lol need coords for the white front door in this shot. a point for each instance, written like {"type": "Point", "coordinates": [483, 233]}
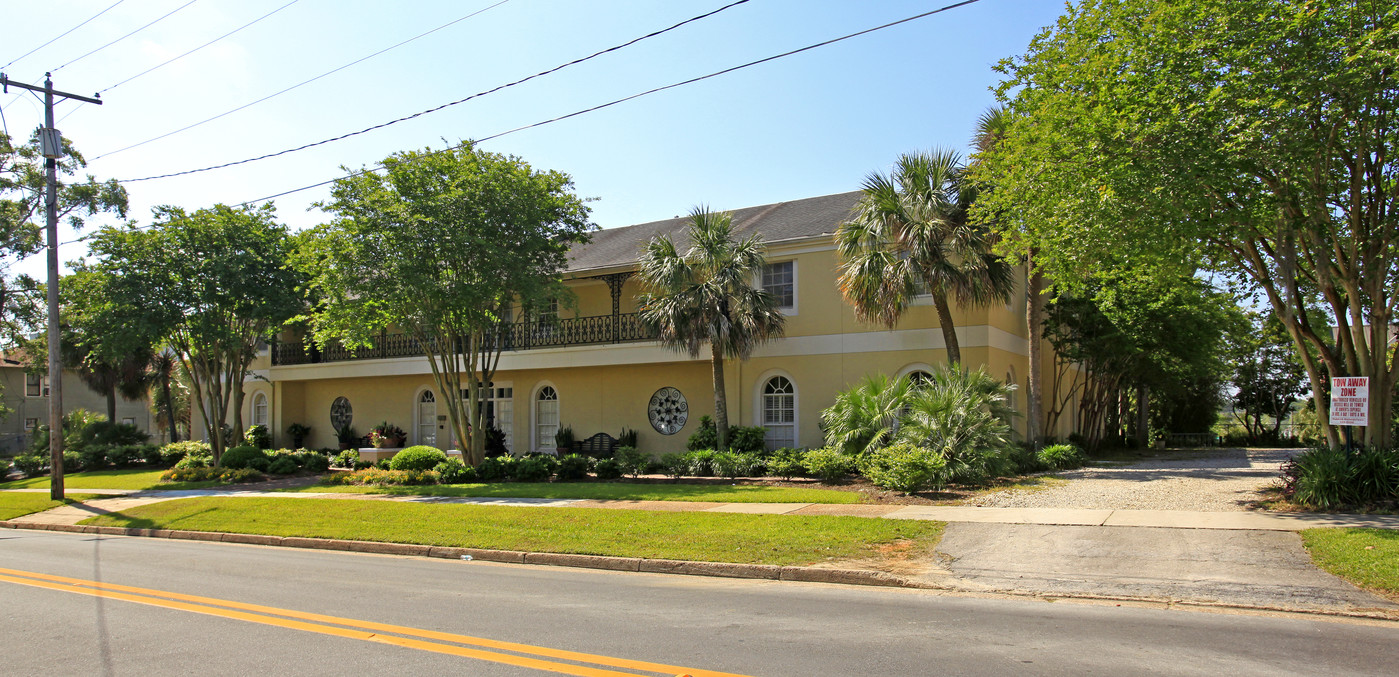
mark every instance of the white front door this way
{"type": "Point", "coordinates": [427, 418]}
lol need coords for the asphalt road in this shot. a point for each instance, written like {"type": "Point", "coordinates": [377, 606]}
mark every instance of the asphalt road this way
{"type": "Point", "coordinates": [50, 622]}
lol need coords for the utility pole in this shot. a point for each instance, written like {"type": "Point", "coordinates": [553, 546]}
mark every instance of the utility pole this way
{"type": "Point", "coordinates": [51, 145]}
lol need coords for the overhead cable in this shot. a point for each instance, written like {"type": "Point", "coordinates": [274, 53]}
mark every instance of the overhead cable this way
{"type": "Point", "coordinates": [138, 30]}
{"type": "Point", "coordinates": [438, 108]}
{"type": "Point", "coordinates": [299, 84]}
{"type": "Point", "coordinates": [70, 30]}
{"type": "Point", "coordinates": [614, 102]}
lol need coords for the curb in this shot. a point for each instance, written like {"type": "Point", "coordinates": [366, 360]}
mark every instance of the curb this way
{"type": "Point", "coordinates": [607, 563]}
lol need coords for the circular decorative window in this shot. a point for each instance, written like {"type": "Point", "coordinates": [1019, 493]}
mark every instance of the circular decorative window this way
{"type": "Point", "coordinates": [668, 411]}
{"type": "Point", "coordinates": [340, 413]}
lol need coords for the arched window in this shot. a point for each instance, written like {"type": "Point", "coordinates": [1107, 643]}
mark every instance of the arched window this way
{"type": "Point", "coordinates": [260, 409]}
{"type": "Point", "coordinates": [546, 418]}
{"type": "Point", "coordinates": [918, 377]}
{"type": "Point", "coordinates": [427, 418]}
{"type": "Point", "coordinates": [780, 412]}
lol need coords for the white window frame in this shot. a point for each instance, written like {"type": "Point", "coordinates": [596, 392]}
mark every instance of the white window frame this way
{"type": "Point", "coordinates": [30, 424]}
{"type": "Point", "coordinates": [260, 400]}
{"type": "Point", "coordinates": [760, 405]}
{"type": "Point", "coordinates": [547, 446]}
{"type": "Point", "coordinates": [762, 274]}
{"type": "Point", "coordinates": [418, 403]}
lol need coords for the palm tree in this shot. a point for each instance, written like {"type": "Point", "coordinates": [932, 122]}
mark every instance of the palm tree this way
{"type": "Point", "coordinates": [866, 417]}
{"type": "Point", "coordinates": [707, 294]}
{"type": "Point", "coordinates": [909, 236]}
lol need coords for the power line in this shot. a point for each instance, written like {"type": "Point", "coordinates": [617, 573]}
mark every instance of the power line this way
{"type": "Point", "coordinates": [614, 102]}
{"type": "Point", "coordinates": [168, 61]}
{"type": "Point", "coordinates": [70, 30]}
{"type": "Point", "coordinates": [305, 82]}
{"type": "Point", "coordinates": [445, 105]}
{"type": "Point", "coordinates": [138, 30]}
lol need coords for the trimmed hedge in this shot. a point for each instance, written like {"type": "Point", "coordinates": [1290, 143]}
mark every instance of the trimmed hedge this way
{"type": "Point", "coordinates": [421, 457]}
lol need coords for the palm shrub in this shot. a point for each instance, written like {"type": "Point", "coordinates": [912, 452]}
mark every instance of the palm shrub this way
{"type": "Point", "coordinates": [865, 417]}
{"type": "Point", "coordinates": [1328, 479]}
{"type": "Point", "coordinates": [1062, 457]}
{"type": "Point", "coordinates": [904, 467]}
{"type": "Point", "coordinates": [964, 417]}
{"type": "Point", "coordinates": [827, 464]}
{"type": "Point", "coordinates": [701, 462]}
{"type": "Point", "coordinates": [420, 457]}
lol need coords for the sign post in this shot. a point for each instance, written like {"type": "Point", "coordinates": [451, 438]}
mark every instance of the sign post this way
{"type": "Point", "coordinates": [1350, 402]}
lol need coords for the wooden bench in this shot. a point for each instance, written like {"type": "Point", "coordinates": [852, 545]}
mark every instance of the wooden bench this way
{"type": "Point", "coordinates": [600, 445]}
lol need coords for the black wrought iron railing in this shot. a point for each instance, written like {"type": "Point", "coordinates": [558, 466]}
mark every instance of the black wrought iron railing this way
{"type": "Point", "coordinates": [557, 333]}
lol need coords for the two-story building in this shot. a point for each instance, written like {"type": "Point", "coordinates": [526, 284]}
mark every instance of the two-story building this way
{"type": "Point", "coordinates": [595, 367]}
{"type": "Point", "coordinates": [26, 397]}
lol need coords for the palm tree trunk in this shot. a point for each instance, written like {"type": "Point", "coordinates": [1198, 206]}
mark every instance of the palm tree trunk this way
{"type": "Point", "coordinates": [949, 332]}
{"type": "Point", "coordinates": [721, 400]}
{"type": "Point", "coordinates": [112, 403]}
{"type": "Point", "coordinates": [1034, 317]}
{"type": "Point", "coordinates": [169, 407]}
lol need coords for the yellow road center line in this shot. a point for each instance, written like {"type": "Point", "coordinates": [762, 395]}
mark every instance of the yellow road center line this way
{"type": "Point", "coordinates": [357, 629]}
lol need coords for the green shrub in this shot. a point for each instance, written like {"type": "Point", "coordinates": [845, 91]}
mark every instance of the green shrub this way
{"type": "Point", "coordinates": [92, 456]}
{"type": "Point", "coordinates": [1328, 479]}
{"type": "Point", "coordinates": [573, 467]}
{"type": "Point", "coordinates": [700, 462]}
{"type": "Point", "coordinates": [674, 465]}
{"type": "Point", "coordinates": [421, 457]}
{"type": "Point", "coordinates": [827, 464]}
{"type": "Point", "coordinates": [535, 468]}
{"type": "Point", "coordinates": [283, 465]}
{"type": "Point", "coordinates": [453, 471]}
{"type": "Point", "coordinates": [864, 417]}
{"type": "Point", "coordinates": [733, 464]}
{"type": "Point", "coordinates": [348, 458]}
{"type": "Point", "coordinates": [496, 468]}
{"type": "Point", "coordinates": [194, 462]}
{"type": "Point", "coordinates": [741, 438]}
{"type": "Point", "coordinates": [258, 436]}
{"type": "Point", "coordinates": [1062, 457]}
{"type": "Point", "coordinates": [107, 433]}
{"type": "Point", "coordinates": [32, 465]}
{"type": "Point", "coordinates": [214, 474]}
{"type": "Point", "coordinates": [313, 461]}
{"type": "Point", "coordinates": [1023, 459]}
{"type": "Point", "coordinates": [245, 457]}
{"type": "Point", "coordinates": [608, 469]}
{"type": "Point", "coordinates": [124, 455]}
{"type": "Point", "coordinates": [785, 463]}
{"type": "Point", "coordinates": [175, 452]}
{"type": "Point", "coordinates": [631, 461]}
{"type": "Point", "coordinates": [381, 477]}
{"type": "Point", "coordinates": [73, 461]}
{"type": "Point", "coordinates": [361, 464]}
{"type": "Point", "coordinates": [904, 467]}
{"type": "Point", "coordinates": [383, 464]}
{"type": "Point", "coordinates": [150, 455]}
{"type": "Point", "coordinates": [963, 417]}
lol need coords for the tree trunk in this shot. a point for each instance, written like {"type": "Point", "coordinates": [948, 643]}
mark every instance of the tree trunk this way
{"type": "Point", "coordinates": [721, 400]}
{"type": "Point", "coordinates": [949, 332]}
{"type": "Point", "coordinates": [112, 402]}
{"type": "Point", "coordinates": [1034, 311]}
{"type": "Point", "coordinates": [1143, 418]}
{"type": "Point", "coordinates": [169, 408]}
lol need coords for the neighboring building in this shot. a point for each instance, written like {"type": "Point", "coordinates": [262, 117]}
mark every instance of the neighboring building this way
{"type": "Point", "coordinates": [596, 369]}
{"type": "Point", "coordinates": [26, 395]}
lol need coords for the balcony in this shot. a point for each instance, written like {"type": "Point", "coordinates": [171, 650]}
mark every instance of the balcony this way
{"type": "Point", "coordinates": [578, 331]}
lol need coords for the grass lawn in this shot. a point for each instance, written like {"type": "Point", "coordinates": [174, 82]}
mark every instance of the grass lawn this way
{"type": "Point", "coordinates": [130, 478]}
{"type": "Point", "coordinates": [1368, 558]}
{"type": "Point", "coordinates": [15, 505]}
{"type": "Point", "coordinates": [696, 536]}
{"type": "Point", "coordinates": [717, 493]}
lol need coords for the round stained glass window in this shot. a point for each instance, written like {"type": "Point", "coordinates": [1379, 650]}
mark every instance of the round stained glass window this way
{"type": "Point", "coordinates": [668, 411]}
{"type": "Point", "coordinates": [340, 413]}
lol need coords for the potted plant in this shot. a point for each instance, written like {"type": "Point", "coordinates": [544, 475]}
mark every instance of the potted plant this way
{"type": "Point", "coordinates": [347, 437]}
{"type": "Point", "coordinates": [387, 436]}
{"type": "Point", "coordinates": [563, 440]}
{"type": "Point", "coordinates": [298, 434]}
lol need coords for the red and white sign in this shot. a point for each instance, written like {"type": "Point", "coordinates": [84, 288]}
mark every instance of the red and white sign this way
{"type": "Point", "coordinates": [1350, 400]}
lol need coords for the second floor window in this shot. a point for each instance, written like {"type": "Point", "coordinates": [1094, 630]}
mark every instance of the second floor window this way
{"type": "Point", "coordinates": [779, 279]}
{"type": "Point", "coordinates": [36, 385]}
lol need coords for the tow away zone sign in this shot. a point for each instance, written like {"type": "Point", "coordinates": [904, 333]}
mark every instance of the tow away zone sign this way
{"type": "Point", "coordinates": [1350, 400]}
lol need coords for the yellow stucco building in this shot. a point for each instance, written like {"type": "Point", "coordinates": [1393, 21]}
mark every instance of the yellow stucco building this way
{"type": "Point", "coordinates": [594, 367]}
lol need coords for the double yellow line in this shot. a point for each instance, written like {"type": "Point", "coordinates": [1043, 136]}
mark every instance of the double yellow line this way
{"type": "Point", "coordinates": [523, 655]}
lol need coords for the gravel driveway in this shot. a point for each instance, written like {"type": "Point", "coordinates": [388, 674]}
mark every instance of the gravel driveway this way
{"type": "Point", "coordinates": [1212, 481]}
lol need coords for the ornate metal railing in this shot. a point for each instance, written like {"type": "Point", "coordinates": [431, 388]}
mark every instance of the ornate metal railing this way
{"type": "Point", "coordinates": [557, 333]}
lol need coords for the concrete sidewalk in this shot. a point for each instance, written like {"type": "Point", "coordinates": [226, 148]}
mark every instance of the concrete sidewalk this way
{"type": "Point", "coordinates": [1171, 519]}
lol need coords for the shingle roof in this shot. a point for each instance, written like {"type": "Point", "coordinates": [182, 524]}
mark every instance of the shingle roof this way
{"type": "Point", "coordinates": [797, 219]}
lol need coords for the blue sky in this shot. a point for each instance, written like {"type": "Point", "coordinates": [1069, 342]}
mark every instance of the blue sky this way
{"type": "Point", "coordinates": [811, 124]}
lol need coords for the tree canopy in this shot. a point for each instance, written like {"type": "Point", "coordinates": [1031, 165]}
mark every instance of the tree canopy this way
{"type": "Point", "coordinates": [441, 246]}
{"type": "Point", "coordinates": [211, 284]}
{"type": "Point", "coordinates": [1254, 137]}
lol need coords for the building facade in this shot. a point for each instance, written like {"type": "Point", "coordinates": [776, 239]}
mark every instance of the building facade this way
{"type": "Point", "coordinates": [26, 396]}
{"type": "Point", "coordinates": [595, 368]}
